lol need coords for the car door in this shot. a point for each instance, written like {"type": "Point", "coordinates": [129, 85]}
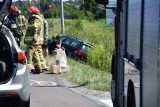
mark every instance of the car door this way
{"type": "Point", "coordinates": [70, 45]}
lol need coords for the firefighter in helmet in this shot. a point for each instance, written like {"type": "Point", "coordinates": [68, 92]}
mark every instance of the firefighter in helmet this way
{"type": "Point", "coordinates": [39, 47]}
{"type": "Point", "coordinates": [33, 39]}
{"type": "Point", "coordinates": [12, 23]}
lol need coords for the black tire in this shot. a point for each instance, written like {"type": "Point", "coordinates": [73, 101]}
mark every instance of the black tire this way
{"type": "Point", "coordinates": [131, 102]}
{"type": "Point", "coordinates": [113, 82]}
{"type": "Point", "coordinates": [23, 104]}
{"type": "Point", "coordinates": [113, 91]}
{"type": "Point", "coordinates": [26, 104]}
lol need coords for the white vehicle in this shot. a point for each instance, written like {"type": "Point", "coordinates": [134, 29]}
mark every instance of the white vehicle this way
{"type": "Point", "coordinates": [14, 74]}
{"type": "Point", "coordinates": [136, 60]}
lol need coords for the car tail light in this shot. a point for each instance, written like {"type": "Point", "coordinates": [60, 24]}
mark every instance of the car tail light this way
{"type": "Point", "coordinates": [21, 58]}
{"type": "Point", "coordinates": [79, 52]}
{"type": "Point", "coordinates": [10, 94]}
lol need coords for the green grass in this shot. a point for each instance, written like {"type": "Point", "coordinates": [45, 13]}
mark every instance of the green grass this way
{"type": "Point", "coordinates": [84, 74]}
{"type": "Point", "coordinates": [93, 32]}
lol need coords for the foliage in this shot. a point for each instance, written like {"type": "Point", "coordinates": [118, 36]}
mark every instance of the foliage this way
{"type": "Point", "coordinates": [88, 5]}
{"type": "Point", "coordinates": [88, 10]}
{"type": "Point", "coordinates": [100, 58]}
{"type": "Point", "coordinates": [76, 25]}
{"type": "Point", "coordinates": [50, 13]}
{"type": "Point", "coordinates": [42, 2]}
{"type": "Point", "coordinates": [93, 32]}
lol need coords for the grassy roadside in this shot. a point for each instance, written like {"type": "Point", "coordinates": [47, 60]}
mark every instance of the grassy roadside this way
{"type": "Point", "coordinates": [82, 73]}
{"type": "Point", "coordinates": [96, 74]}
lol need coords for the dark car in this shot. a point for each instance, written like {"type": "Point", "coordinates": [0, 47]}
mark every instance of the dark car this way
{"type": "Point", "coordinates": [73, 47]}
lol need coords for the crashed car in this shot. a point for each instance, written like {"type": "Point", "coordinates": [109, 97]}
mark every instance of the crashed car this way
{"type": "Point", "coordinates": [14, 74]}
{"type": "Point", "coordinates": [74, 47]}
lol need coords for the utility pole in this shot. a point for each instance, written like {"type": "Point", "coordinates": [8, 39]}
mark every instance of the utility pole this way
{"type": "Point", "coordinates": [39, 4]}
{"type": "Point", "coordinates": [62, 18]}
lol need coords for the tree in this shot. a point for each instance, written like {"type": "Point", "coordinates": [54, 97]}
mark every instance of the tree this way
{"type": "Point", "coordinates": [49, 1]}
{"type": "Point", "coordinates": [88, 5]}
{"type": "Point", "coordinates": [20, 2]}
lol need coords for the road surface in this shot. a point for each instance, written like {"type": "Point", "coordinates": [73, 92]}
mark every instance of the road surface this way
{"type": "Point", "coordinates": [50, 90]}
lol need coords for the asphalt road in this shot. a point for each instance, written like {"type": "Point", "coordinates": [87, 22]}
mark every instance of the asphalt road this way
{"type": "Point", "coordinates": [50, 90]}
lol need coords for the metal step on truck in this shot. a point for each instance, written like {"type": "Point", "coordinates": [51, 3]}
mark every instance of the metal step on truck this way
{"type": "Point", "coordinates": [136, 58]}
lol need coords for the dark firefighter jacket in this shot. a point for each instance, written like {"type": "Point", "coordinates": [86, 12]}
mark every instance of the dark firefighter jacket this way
{"type": "Point", "coordinates": [12, 23]}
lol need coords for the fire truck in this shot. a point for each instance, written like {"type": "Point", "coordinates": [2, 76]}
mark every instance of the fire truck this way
{"type": "Point", "coordinates": [136, 58]}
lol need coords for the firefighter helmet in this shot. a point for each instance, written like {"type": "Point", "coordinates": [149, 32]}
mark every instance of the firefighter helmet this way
{"type": "Point", "coordinates": [13, 8]}
{"type": "Point", "coordinates": [33, 10]}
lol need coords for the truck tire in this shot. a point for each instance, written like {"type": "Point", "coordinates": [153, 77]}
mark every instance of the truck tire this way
{"type": "Point", "coordinates": [131, 102]}
{"type": "Point", "coordinates": [113, 86]}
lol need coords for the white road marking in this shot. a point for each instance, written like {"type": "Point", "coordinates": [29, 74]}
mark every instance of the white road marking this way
{"type": "Point", "coordinates": [107, 102]}
{"type": "Point", "coordinates": [42, 83]}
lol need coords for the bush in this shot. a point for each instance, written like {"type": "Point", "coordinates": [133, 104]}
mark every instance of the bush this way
{"type": "Point", "coordinates": [100, 57]}
{"type": "Point", "coordinates": [49, 14]}
{"type": "Point", "coordinates": [74, 27]}
{"type": "Point", "coordinates": [78, 25]}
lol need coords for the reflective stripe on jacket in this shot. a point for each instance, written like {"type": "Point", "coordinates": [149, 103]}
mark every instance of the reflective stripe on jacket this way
{"type": "Point", "coordinates": [13, 26]}
{"type": "Point", "coordinates": [28, 39]}
{"type": "Point", "coordinates": [40, 39]}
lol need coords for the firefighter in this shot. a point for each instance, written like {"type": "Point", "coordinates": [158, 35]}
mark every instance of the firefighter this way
{"type": "Point", "coordinates": [33, 39]}
{"type": "Point", "coordinates": [21, 21]}
{"type": "Point", "coordinates": [12, 23]}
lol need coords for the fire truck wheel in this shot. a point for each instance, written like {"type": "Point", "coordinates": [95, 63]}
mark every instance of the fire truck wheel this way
{"type": "Point", "coordinates": [131, 102]}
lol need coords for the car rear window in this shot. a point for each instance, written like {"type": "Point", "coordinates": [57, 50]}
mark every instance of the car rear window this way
{"type": "Point", "coordinates": [75, 43]}
{"type": "Point", "coordinates": [68, 41]}
{"type": "Point", "coordinates": [62, 38]}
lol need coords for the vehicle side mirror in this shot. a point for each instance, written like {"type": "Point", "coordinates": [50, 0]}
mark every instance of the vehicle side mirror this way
{"type": "Point", "coordinates": [111, 13]}
{"type": "Point", "coordinates": [104, 2]}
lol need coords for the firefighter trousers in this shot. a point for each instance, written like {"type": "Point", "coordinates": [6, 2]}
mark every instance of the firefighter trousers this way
{"type": "Point", "coordinates": [32, 53]}
{"type": "Point", "coordinates": [41, 56]}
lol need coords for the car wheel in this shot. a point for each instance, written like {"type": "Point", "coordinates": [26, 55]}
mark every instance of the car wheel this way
{"type": "Point", "coordinates": [113, 82]}
{"type": "Point", "coordinates": [113, 90]}
{"type": "Point", "coordinates": [24, 104]}
{"type": "Point", "coordinates": [27, 104]}
{"type": "Point", "coordinates": [76, 58]}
